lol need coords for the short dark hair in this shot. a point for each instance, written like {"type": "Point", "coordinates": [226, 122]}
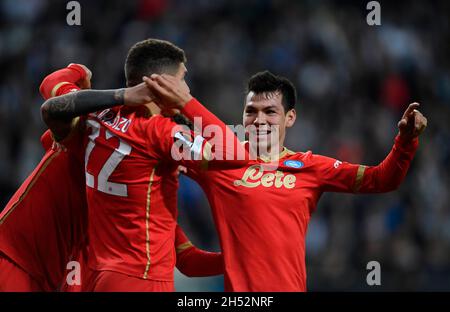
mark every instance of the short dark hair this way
{"type": "Point", "coordinates": [265, 81]}
{"type": "Point", "coordinates": [152, 56]}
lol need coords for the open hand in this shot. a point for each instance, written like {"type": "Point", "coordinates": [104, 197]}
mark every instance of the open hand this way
{"type": "Point", "coordinates": [136, 95]}
{"type": "Point", "coordinates": [170, 92]}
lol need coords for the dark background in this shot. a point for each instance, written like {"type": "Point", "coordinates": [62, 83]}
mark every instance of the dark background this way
{"type": "Point", "coordinates": [353, 80]}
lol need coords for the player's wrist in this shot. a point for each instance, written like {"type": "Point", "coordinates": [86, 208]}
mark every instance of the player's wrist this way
{"type": "Point", "coordinates": [191, 108]}
{"type": "Point", "coordinates": [184, 100]}
{"type": "Point", "coordinates": [406, 140]}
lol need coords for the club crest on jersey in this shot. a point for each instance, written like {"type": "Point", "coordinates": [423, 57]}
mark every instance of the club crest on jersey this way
{"type": "Point", "coordinates": [255, 176]}
{"type": "Point", "coordinates": [293, 163]}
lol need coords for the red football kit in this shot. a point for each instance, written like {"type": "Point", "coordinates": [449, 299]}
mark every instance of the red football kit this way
{"type": "Point", "coordinates": [43, 226]}
{"type": "Point", "coordinates": [131, 184]}
{"type": "Point", "coordinates": [191, 261]}
{"type": "Point", "coordinates": [262, 211]}
{"type": "Point", "coordinates": [195, 262]}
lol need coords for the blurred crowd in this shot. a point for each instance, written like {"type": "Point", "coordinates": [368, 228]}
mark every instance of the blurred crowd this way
{"type": "Point", "coordinates": [353, 81]}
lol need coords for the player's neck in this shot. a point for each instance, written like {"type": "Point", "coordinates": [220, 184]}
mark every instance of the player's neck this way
{"type": "Point", "coordinates": [267, 154]}
{"type": "Point", "coordinates": [153, 108]}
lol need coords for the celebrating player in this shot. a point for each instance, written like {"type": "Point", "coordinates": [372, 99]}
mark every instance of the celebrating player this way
{"type": "Point", "coordinates": [44, 225]}
{"type": "Point", "coordinates": [262, 211]}
{"type": "Point", "coordinates": [130, 165]}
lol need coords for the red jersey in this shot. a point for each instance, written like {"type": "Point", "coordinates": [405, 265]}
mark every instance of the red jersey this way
{"type": "Point", "coordinates": [132, 183]}
{"type": "Point", "coordinates": [194, 262]}
{"type": "Point", "coordinates": [43, 225]}
{"type": "Point", "coordinates": [262, 211]}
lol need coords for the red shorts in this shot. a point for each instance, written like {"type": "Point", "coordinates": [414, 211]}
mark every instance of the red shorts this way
{"type": "Point", "coordinates": [118, 282]}
{"type": "Point", "coordinates": [13, 278]}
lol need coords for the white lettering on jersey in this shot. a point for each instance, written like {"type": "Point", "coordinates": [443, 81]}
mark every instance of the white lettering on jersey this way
{"type": "Point", "coordinates": [103, 183]}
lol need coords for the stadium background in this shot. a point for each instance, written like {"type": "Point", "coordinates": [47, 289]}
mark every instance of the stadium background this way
{"type": "Point", "coordinates": [353, 82]}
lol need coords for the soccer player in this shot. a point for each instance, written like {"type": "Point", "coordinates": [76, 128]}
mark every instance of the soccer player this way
{"type": "Point", "coordinates": [262, 211]}
{"type": "Point", "coordinates": [130, 163]}
{"type": "Point", "coordinates": [44, 225]}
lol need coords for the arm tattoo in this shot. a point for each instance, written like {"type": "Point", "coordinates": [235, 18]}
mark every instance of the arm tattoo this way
{"type": "Point", "coordinates": [119, 95]}
{"type": "Point", "coordinates": [65, 107]}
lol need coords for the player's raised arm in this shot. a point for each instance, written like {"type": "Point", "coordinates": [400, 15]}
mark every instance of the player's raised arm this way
{"type": "Point", "coordinates": [227, 152]}
{"type": "Point", "coordinates": [70, 79]}
{"type": "Point", "coordinates": [58, 112]}
{"type": "Point", "coordinates": [388, 175]}
{"type": "Point", "coordinates": [194, 262]}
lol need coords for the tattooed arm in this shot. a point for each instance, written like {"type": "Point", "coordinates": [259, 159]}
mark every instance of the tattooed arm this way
{"type": "Point", "coordinates": [58, 112]}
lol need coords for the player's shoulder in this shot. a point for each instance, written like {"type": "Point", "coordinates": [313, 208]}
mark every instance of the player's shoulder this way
{"type": "Point", "coordinates": [305, 159]}
{"type": "Point", "coordinates": [300, 156]}
{"type": "Point", "coordinates": [163, 124]}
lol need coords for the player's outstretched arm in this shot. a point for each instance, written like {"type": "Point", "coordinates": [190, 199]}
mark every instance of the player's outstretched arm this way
{"type": "Point", "coordinates": [390, 173]}
{"type": "Point", "coordinates": [385, 177]}
{"type": "Point", "coordinates": [194, 262]}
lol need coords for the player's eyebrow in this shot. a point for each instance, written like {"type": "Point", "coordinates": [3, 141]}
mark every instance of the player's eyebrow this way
{"type": "Point", "coordinates": [250, 105]}
{"type": "Point", "coordinates": [271, 107]}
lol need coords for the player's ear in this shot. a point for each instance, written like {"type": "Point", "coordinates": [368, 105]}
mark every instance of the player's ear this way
{"type": "Point", "coordinates": [291, 115]}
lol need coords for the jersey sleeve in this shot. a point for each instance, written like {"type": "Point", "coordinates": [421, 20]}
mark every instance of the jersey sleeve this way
{"type": "Point", "coordinates": [62, 81]}
{"type": "Point", "coordinates": [337, 176]}
{"type": "Point", "coordinates": [334, 175]}
{"type": "Point", "coordinates": [190, 148]}
{"type": "Point", "coordinates": [59, 83]}
{"type": "Point", "coordinates": [194, 262]}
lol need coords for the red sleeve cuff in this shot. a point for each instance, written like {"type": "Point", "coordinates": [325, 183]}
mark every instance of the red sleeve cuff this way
{"type": "Point", "coordinates": [406, 145]}
{"type": "Point", "coordinates": [192, 109]}
{"type": "Point", "coordinates": [80, 70]}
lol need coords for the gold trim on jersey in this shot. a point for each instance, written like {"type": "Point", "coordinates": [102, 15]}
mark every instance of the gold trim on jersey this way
{"type": "Point", "coordinates": [147, 220]}
{"type": "Point", "coordinates": [56, 88]}
{"type": "Point", "coordinates": [359, 178]}
{"type": "Point", "coordinates": [184, 246]}
{"type": "Point", "coordinates": [27, 190]}
{"type": "Point", "coordinates": [283, 153]}
{"type": "Point", "coordinates": [207, 156]}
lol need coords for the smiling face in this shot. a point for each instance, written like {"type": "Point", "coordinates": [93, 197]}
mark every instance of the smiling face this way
{"type": "Point", "coordinates": [266, 120]}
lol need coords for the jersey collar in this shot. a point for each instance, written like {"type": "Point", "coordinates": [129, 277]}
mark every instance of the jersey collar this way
{"type": "Point", "coordinates": [285, 152]}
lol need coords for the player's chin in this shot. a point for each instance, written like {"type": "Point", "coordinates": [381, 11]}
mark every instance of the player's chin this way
{"type": "Point", "coordinates": [263, 145]}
